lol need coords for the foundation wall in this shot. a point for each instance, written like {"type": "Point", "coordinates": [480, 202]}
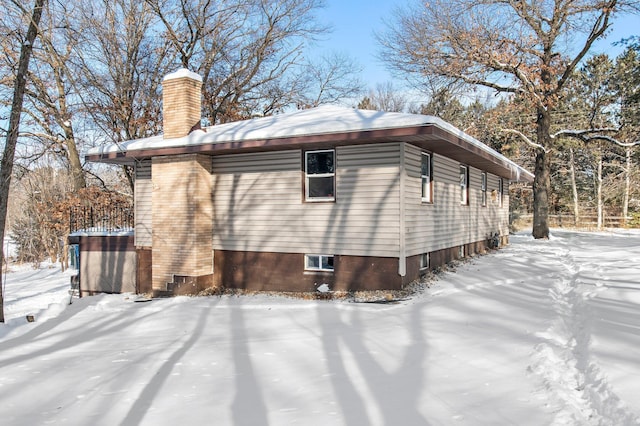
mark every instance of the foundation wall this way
{"type": "Point", "coordinates": [259, 271]}
{"type": "Point", "coordinates": [107, 264]}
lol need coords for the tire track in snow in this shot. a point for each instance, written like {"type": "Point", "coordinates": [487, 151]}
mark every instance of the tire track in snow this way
{"type": "Point", "coordinates": [572, 380]}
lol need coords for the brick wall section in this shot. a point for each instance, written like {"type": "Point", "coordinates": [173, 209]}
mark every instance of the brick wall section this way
{"type": "Point", "coordinates": [181, 106]}
{"type": "Point", "coordinates": [182, 218]}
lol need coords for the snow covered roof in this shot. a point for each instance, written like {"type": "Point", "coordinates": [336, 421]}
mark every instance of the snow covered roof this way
{"type": "Point", "coordinates": [183, 73]}
{"type": "Point", "coordinates": [324, 124]}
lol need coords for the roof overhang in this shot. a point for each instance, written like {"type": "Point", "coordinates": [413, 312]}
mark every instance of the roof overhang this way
{"type": "Point", "coordinates": [435, 136]}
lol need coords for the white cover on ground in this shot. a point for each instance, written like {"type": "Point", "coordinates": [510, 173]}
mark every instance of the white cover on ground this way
{"type": "Point", "coordinates": [539, 333]}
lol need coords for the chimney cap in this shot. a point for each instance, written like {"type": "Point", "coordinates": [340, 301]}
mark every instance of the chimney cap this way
{"type": "Point", "coordinates": [183, 72]}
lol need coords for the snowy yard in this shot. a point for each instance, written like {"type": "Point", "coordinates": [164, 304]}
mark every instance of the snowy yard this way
{"type": "Point", "coordinates": [539, 333]}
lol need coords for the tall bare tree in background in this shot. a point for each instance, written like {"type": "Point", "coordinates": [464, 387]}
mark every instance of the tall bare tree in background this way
{"type": "Point", "coordinates": [245, 50]}
{"type": "Point", "coordinates": [329, 79]}
{"type": "Point", "coordinates": [385, 97]}
{"type": "Point", "coordinates": [120, 61]}
{"type": "Point", "coordinates": [526, 48]}
{"type": "Point", "coordinates": [51, 106]}
{"type": "Point", "coordinates": [6, 166]}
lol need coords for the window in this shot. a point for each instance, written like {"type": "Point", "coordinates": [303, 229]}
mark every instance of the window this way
{"type": "Point", "coordinates": [484, 189]}
{"type": "Point", "coordinates": [318, 262]}
{"type": "Point", "coordinates": [464, 185]}
{"type": "Point", "coordinates": [427, 178]}
{"type": "Point", "coordinates": [319, 167]}
{"type": "Point", "coordinates": [424, 261]}
{"type": "Point", "coordinates": [500, 190]}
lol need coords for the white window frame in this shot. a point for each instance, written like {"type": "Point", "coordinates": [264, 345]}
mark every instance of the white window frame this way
{"type": "Point", "coordinates": [483, 187]}
{"type": "Point", "coordinates": [426, 188]}
{"type": "Point", "coordinates": [464, 185]}
{"type": "Point", "coordinates": [424, 261]}
{"type": "Point", "coordinates": [320, 263]}
{"type": "Point", "coordinates": [319, 175]}
{"type": "Point", "coordinates": [500, 192]}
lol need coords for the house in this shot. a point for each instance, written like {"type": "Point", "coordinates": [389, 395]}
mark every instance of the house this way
{"type": "Point", "coordinates": [354, 199]}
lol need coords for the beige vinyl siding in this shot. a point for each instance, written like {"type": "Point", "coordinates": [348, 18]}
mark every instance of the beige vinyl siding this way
{"type": "Point", "coordinates": [502, 212]}
{"type": "Point", "coordinates": [445, 222]}
{"type": "Point", "coordinates": [259, 205]}
{"type": "Point", "coordinates": [143, 189]}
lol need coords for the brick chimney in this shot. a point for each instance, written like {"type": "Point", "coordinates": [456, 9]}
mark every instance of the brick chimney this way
{"type": "Point", "coordinates": [181, 103]}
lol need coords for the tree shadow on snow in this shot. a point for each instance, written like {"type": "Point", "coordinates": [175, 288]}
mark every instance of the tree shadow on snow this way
{"type": "Point", "coordinates": [396, 393]}
{"type": "Point", "coordinates": [146, 398]}
{"type": "Point", "coordinates": [248, 407]}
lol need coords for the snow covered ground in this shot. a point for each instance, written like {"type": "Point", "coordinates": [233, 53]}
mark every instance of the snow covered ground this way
{"type": "Point", "coordinates": [539, 333]}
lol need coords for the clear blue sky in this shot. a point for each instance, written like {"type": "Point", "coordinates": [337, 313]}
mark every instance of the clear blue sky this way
{"type": "Point", "coordinates": [355, 21]}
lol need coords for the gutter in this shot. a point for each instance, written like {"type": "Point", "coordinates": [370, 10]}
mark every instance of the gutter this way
{"type": "Point", "coordinates": [402, 232]}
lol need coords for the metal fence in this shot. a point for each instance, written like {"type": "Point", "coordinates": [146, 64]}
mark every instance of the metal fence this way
{"type": "Point", "coordinates": [100, 219]}
{"type": "Point", "coordinates": [587, 221]}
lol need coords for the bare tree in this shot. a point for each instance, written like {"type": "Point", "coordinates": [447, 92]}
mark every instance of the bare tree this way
{"type": "Point", "coordinates": [6, 166]}
{"type": "Point", "coordinates": [328, 79]}
{"type": "Point", "coordinates": [384, 98]}
{"type": "Point", "coordinates": [525, 48]}
{"type": "Point", "coordinates": [51, 104]}
{"type": "Point", "coordinates": [242, 49]}
{"type": "Point", "coordinates": [119, 64]}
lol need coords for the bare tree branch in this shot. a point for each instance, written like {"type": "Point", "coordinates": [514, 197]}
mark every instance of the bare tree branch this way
{"type": "Point", "coordinates": [526, 139]}
{"type": "Point", "coordinates": [594, 135]}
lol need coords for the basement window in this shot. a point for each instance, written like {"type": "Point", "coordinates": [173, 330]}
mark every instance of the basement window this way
{"type": "Point", "coordinates": [424, 261]}
{"type": "Point", "coordinates": [318, 262]}
{"type": "Point", "coordinates": [320, 175]}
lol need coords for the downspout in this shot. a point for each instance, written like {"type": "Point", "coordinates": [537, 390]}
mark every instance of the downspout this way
{"type": "Point", "coordinates": [402, 255]}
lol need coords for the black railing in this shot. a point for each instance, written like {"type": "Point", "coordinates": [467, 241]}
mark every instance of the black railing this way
{"type": "Point", "coordinates": [101, 219]}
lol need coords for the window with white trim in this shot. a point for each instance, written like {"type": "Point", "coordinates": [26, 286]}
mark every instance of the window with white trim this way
{"type": "Point", "coordinates": [318, 262]}
{"type": "Point", "coordinates": [426, 172]}
{"type": "Point", "coordinates": [424, 261]}
{"type": "Point", "coordinates": [464, 185]}
{"type": "Point", "coordinates": [500, 191]}
{"type": "Point", "coordinates": [484, 189]}
{"type": "Point", "coordinates": [320, 175]}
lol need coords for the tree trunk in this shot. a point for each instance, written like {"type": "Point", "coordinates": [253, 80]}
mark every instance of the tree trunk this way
{"type": "Point", "coordinates": [627, 187]}
{"type": "Point", "coordinates": [542, 177]}
{"type": "Point", "coordinates": [129, 173]}
{"type": "Point", "coordinates": [77, 173]}
{"type": "Point", "coordinates": [599, 189]}
{"type": "Point", "coordinates": [574, 188]}
{"type": "Point", "coordinates": [6, 167]}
